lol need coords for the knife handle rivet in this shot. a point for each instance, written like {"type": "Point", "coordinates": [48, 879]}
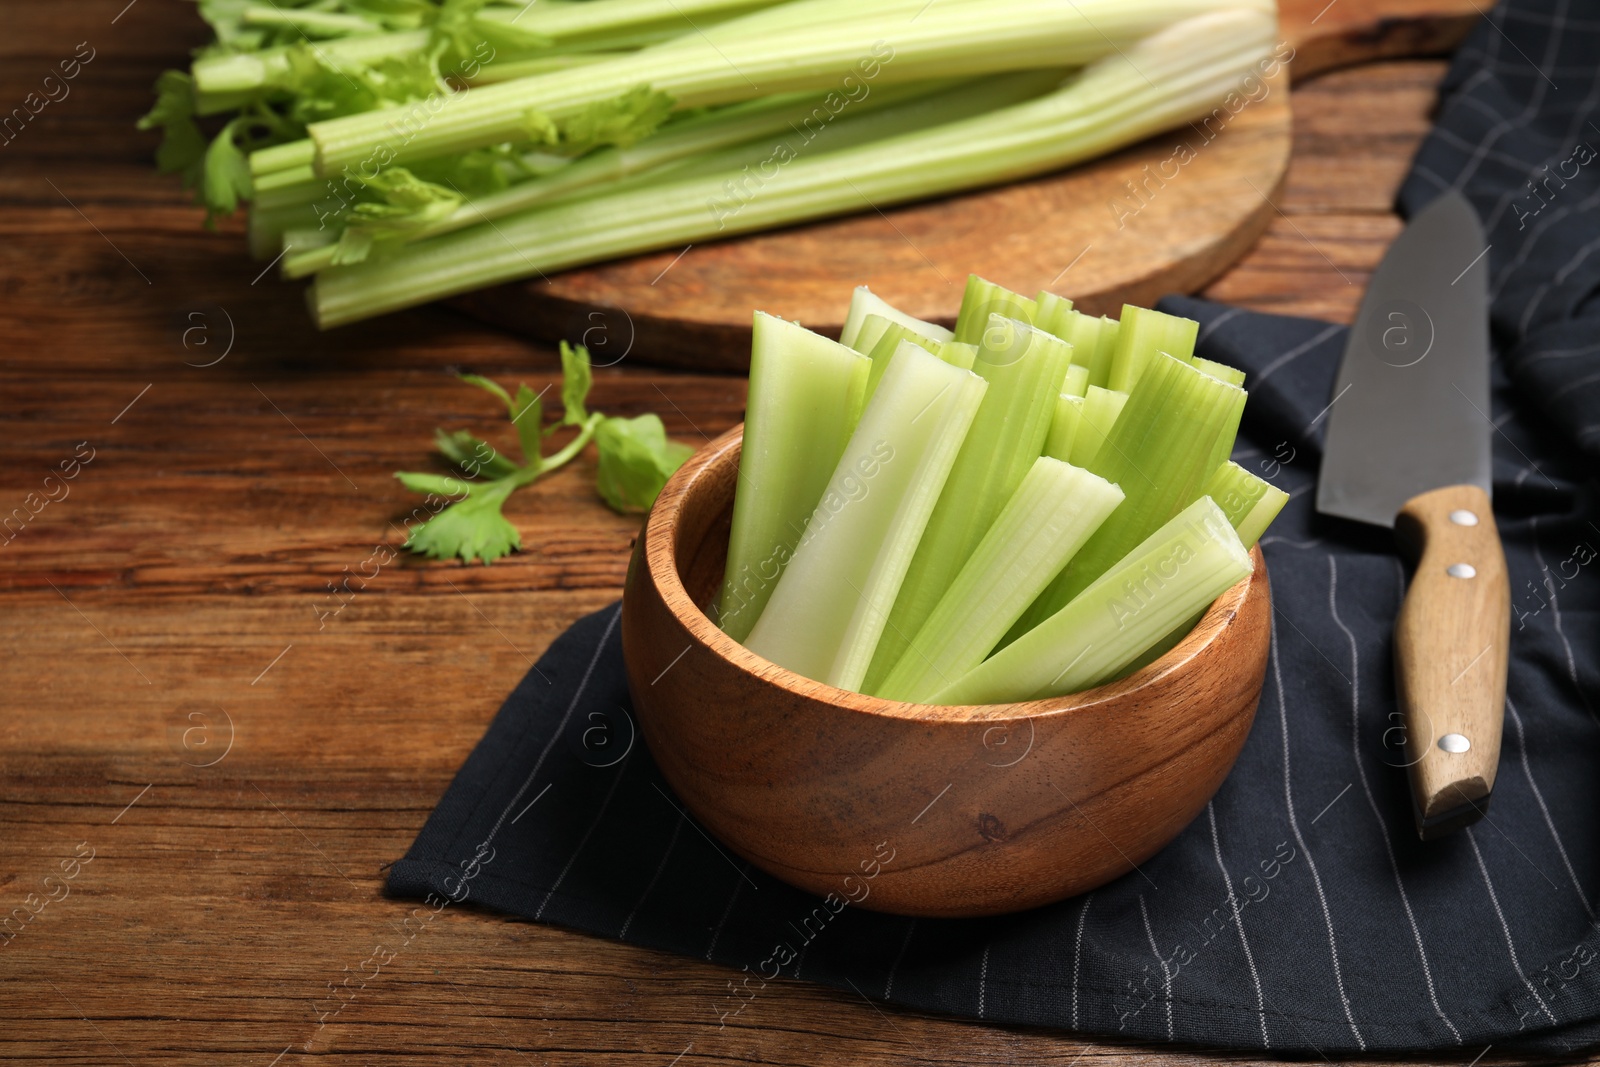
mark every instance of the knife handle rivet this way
{"type": "Point", "coordinates": [1461, 570]}
{"type": "Point", "coordinates": [1454, 743]}
{"type": "Point", "coordinates": [1463, 517]}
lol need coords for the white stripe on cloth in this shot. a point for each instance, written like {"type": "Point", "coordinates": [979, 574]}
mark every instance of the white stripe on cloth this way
{"type": "Point", "coordinates": [672, 843]}
{"type": "Point", "coordinates": [1294, 825]}
{"type": "Point", "coordinates": [1296, 352]}
{"type": "Point", "coordinates": [1238, 923]}
{"type": "Point", "coordinates": [983, 981]}
{"type": "Point", "coordinates": [888, 985]}
{"type": "Point", "coordinates": [1166, 972]}
{"type": "Point", "coordinates": [1372, 801]}
{"type": "Point", "coordinates": [582, 841]}
{"type": "Point", "coordinates": [716, 934]}
{"type": "Point", "coordinates": [1555, 617]}
{"type": "Point", "coordinates": [1077, 956]}
{"type": "Point", "coordinates": [1505, 928]}
{"type": "Point", "coordinates": [561, 728]}
{"type": "Point", "coordinates": [1544, 809]}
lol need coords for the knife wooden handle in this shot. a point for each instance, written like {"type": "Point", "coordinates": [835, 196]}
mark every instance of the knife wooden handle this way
{"type": "Point", "coordinates": [1452, 641]}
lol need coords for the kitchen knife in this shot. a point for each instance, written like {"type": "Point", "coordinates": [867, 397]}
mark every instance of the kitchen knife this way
{"type": "Point", "coordinates": [1408, 447]}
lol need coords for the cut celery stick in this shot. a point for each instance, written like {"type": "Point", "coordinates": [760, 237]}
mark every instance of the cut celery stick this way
{"type": "Point", "coordinates": [1052, 311]}
{"type": "Point", "coordinates": [984, 299]}
{"type": "Point", "coordinates": [1024, 368]}
{"type": "Point", "coordinates": [1083, 333]}
{"type": "Point", "coordinates": [958, 355]}
{"type": "Point", "coordinates": [1142, 334]}
{"type": "Point", "coordinates": [1101, 407]}
{"type": "Point", "coordinates": [1250, 505]}
{"type": "Point", "coordinates": [1047, 519]}
{"type": "Point", "coordinates": [1249, 502]}
{"type": "Point", "coordinates": [889, 335]}
{"type": "Point", "coordinates": [1183, 566]}
{"type": "Point", "coordinates": [1076, 382]}
{"type": "Point", "coordinates": [806, 393]}
{"type": "Point", "coordinates": [1105, 350]}
{"type": "Point", "coordinates": [829, 609]}
{"type": "Point", "coordinates": [1160, 451]}
{"type": "Point", "coordinates": [865, 302]}
{"type": "Point", "coordinates": [1064, 427]}
{"type": "Point", "coordinates": [874, 326]}
{"type": "Point", "coordinates": [1220, 371]}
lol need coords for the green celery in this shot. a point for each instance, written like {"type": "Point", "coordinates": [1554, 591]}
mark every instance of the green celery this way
{"type": "Point", "coordinates": [889, 335]}
{"type": "Point", "coordinates": [276, 157]}
{"type": "Point", "coordinates": [292, 185]}
{"type": "Point", "coordinates": [1024, 368]}
{"type": "Point", "coordinates": [1101, 408]}
{"type": "Point", "coordinates": [1064, 425]}
{"type": "Point", "coordinates": [1249, 502]}
{"type": "Point", "coordinates": [546, 63]}
{"type": "Point", "coordinates": [267, 227]}
{"type": "Point", "coordinates": [958, 355]}
{"type": "Point", "coordinates": [537, 32]}
{"type": "Point", "coordinates": [806, 394]}
{"type": "Point", "coordinates": [1168, 577]}
{"type": "Point", "coordinates": [864, 302]}
{"type": "Point", "coordinates": [310, 23]}
{"type": "Point", "coordinates": [984, 299]}
{"type": "Point", "coordinates": [830, 606]}
{"type": "Point", "coordinates": [1053, 512]}
{"type": "Point", "coordinates": [1084, 332]}
{"type": "Point", "coordinates": [1161, 451]}
{"type": "Point", "coordinates": [607, 167]}
{"type": "Point", "coordinates": [1250, 505]}
{"type": "Point", "coordinates": [822, 42]}
{"type": "Point", "coordinates": [1220, 371]}
{"type": "Point", "coordinates": [1142, 334]}
{"type": "Point", "coordinates": [1052, 311]}
{"type": "Point", "coordinates": [1076, 383]}
{"type": "Point", "coordinates": [1166, 78]}
{"type": "Point", "coordinates": [1105, 350]}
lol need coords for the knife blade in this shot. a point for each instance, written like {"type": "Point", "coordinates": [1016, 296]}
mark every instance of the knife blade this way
{"type": "Point", "coordinates": [1407, 447]}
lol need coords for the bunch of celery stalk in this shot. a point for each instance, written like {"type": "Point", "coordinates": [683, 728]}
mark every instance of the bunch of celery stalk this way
{"type": "Point", "coordinates": [398, 151]}
{"type": "Point", "coordinates": [1030, 505]}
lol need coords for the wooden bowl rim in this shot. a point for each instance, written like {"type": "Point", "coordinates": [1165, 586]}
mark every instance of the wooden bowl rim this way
{"type": "Point", "coordinates": [659, 549]}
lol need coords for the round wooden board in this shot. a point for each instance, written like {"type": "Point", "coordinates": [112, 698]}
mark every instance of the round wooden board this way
{"type": "Point", "coordinates": [1166, 215]}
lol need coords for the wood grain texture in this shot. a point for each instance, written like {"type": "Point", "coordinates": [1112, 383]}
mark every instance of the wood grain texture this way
{"type": "Point", "coordinates": [1168, 214]}
{"type": "Point", "coordinates": [810, 782]}
{"type": "Point", "coordinates": [197, 546]}
{"type": "Point", "coordinates": [1452, 642]}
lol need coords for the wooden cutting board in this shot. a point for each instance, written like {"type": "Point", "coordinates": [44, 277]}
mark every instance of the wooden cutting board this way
{"type": "Point", "coordinates": [1104, 233]}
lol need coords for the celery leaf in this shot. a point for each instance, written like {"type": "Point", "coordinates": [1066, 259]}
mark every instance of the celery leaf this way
{"type": "Point", "coordinates": [636, 459]}
{"type": "Point", "coordinates": [447, 485]}
{"type": "Point", "coordinates": [183, 146]}
{"type": "Point", "coordinates": [491, 387]}
{"type": "Point", "coordinates": [472, 528]}
{"type": "Point", "coordinates": [621, 121]}
{"type": "Point", "coordinates": [473, 455]}
{"type": "Point", "coordinates": [576, 378]}
{"type": "Point", "coordinates": [227, 175]}
{"type": "Point", "coordinates": [527, 415]}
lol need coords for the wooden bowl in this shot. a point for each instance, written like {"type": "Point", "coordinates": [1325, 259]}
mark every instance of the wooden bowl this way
{"type": "Point", "coordinates": [912, 808]}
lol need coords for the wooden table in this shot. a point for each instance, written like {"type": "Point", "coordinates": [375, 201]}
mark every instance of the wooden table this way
{"type": "Point", "coordinates": [170, 611]}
